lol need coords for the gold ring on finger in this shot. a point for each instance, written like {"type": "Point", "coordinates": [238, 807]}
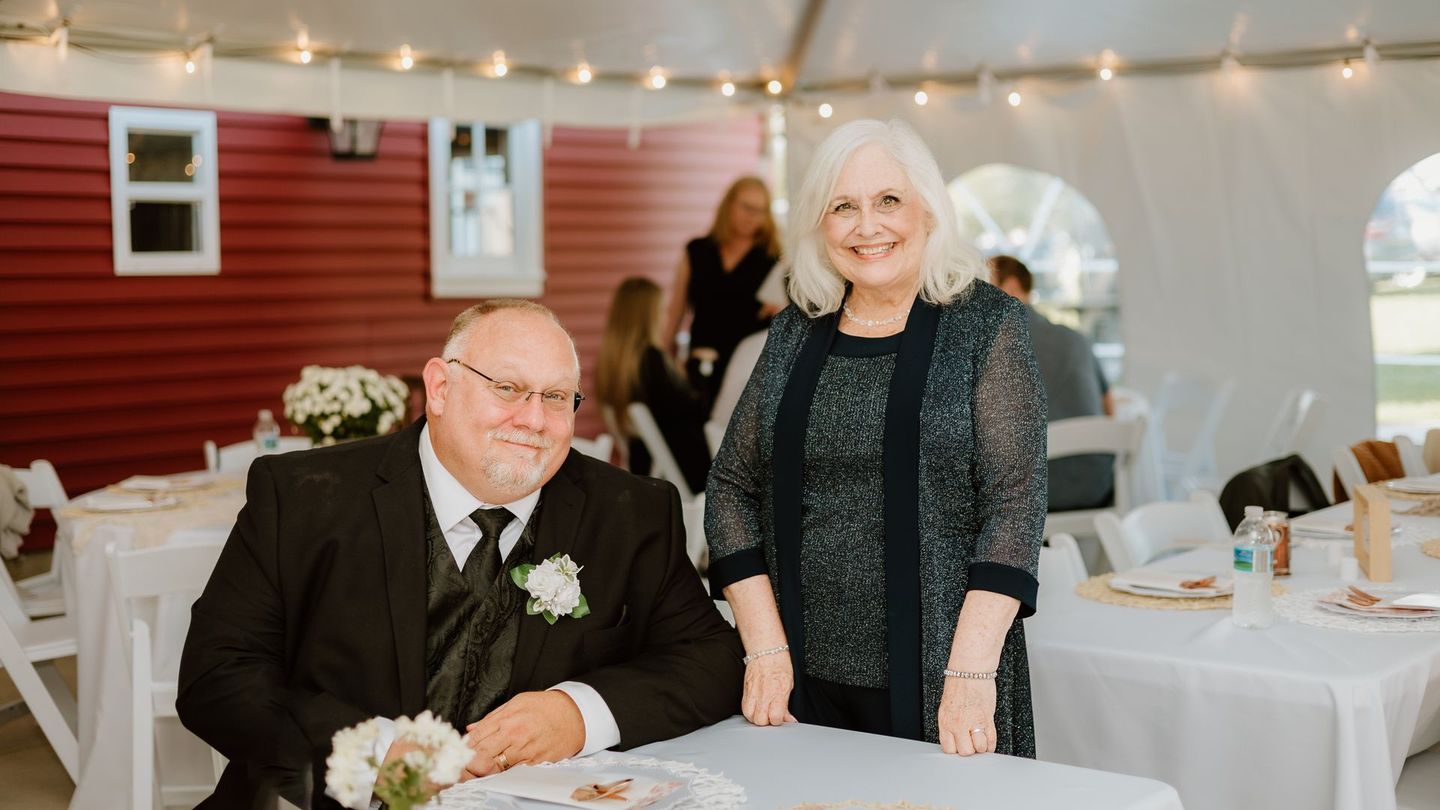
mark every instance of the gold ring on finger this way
{"type": "Point", "coordinates": [503, 761]}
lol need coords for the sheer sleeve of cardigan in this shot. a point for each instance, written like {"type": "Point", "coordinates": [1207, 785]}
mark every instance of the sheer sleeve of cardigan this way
{"type": "Point", "coordinates": [735, 493]}
{"type": "Point", "coordinates": [1010, 429]}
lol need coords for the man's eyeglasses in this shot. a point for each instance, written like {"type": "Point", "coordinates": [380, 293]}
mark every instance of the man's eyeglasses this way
{"type": "Point", "coordinates": [557, 400]}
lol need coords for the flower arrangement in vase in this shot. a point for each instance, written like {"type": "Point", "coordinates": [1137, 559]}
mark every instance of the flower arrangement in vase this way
{"type": "Point", "coordinates": [336, 404]}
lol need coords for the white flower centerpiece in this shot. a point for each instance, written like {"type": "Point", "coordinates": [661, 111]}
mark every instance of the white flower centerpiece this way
{"type": "Point", "coordinates": [352, 770]}
{"type": "Point", "coordinates": [335, 404]}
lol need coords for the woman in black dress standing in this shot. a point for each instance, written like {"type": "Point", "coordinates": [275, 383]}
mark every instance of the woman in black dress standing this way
{"type": "Point", "coordinates": [718, 278]}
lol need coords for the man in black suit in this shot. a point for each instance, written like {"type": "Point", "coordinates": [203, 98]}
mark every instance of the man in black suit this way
{"type": "Point", "coordinates": [372, 579]}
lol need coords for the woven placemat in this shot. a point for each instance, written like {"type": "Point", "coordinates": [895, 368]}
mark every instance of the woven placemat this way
{"type": "Point", "coordinates": [1431, 548]}
{"type": "Point", "coordinates": [1412, 496]}
{"type": "Point", "coordinates": [1097, 589]}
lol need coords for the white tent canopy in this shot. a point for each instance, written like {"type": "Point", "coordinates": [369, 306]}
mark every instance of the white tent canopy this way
{"type": "Point", "coordinates": [1237, 200]}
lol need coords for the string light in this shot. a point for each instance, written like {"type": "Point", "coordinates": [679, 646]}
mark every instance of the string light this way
{"type": "Point", "coordinates": [657, 78]}
{"type": "Point", "coordinates": [583, 74]}
{"type": "Point", "coordinates": [305, 56]}
{"type": "Point", "coordinates": [1014, 98]}
{"type": "Point", "coordinates": [1106, 74]}
{"type": "Point", "coordinates": [826, 111]}
{"type": "Point", "coordinates": [727, 89]}
{"type": "Point", "coordinates": [498, 65]}
{"type": "Point", "coordinates": [922, 98]}
{"type": "Point", "coordinates": [1347, 71]}
{"type": "Point", "coordinates": [773, 87]}
{"type": "Point", "coordinates": [189, 64]}
{"type": "Point", "coordinates": [406, 60]}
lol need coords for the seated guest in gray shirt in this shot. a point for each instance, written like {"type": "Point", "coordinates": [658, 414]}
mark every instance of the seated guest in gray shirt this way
{"type": "Point", "coordinates": [1074, 386]}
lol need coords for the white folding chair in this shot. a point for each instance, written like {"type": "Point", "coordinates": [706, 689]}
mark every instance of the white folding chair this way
{"type": "Point", "coordinates": [1094, 434]}
{"type": "Point", "coordinates": [1148, 531]}
{"type": "Point", "coordinates": [236, 457]}
{"type": "Point", "coordinates": [141, 582]}
{"type": "Point", "coordinates": [599, 447]}
{"type": "Point", "coordinates": [28, 651]}
{"type": "Point", "coordinates": [1293, 423]}
{"type": "Point", "coordinates": [1347, 469]}
{"type": "Point", "coordinates": [1412, 459]}
{"type": "Point", "coordinates": [1061, 566]}
{"type": "Point", "coordinates": [43, 594]}
{"type": "Point", "coordinates": [664, 465]}
{"type": "Point", "coordinates": [1197, 404]}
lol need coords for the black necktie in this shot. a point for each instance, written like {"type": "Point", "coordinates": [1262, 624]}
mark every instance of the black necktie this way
{"type": "Point", "coordinates": [491, 523]}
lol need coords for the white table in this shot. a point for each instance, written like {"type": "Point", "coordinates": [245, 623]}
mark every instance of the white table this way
{"type": "Point", "coordinates": [1294, 716]}
{"type": "Point", "coordinates": [103, 675]}
{"type": "Point", "coordinates": [795, 764]}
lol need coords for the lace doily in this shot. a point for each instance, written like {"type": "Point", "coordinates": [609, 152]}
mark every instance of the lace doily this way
{"type": "Point", "coordinates": [1304, 607]}
{"type": "Point", "coordinates": [705, 790]}
{"type": "Point", "coordinates": [1408, 536]}
{"type": "Point", "coordinates": [1097, 588]}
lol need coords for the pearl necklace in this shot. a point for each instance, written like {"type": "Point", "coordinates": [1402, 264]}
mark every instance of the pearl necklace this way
{"type": "Point", "coordinates": [900, 316]}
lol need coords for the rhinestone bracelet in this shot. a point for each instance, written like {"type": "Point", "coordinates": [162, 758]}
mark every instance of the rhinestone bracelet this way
{"type": "Point", "coordinates": [772, 651]}
{"type": "Point", "coordinates": [973, 676]}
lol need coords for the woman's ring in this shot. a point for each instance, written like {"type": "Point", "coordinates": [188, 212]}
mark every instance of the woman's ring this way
{"type": "Point", "coordinates": [980, 729]}
{"type": "Point", "coordinates": [503, 761]}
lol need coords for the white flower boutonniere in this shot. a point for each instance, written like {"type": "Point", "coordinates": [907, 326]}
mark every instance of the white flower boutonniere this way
{"type": "Point", "coordinates": [554, 588]}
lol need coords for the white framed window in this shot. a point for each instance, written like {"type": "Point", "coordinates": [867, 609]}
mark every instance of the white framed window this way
{"type": "Point", "coordinates": [164, 199]}
{"type": "Point", "coordinates": [485, 209]}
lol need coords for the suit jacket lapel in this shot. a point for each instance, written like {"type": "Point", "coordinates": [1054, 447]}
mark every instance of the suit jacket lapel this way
{"type": "Point", "coordinates": [399, 510]}
{"type": "Point", "coordinates": [559, 520]}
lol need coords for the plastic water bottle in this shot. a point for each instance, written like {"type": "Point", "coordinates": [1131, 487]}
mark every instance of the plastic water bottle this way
{"type": "Point", "coordinates": [267, 433]}
{"type": "Point", "coordinates": [1254, 569]}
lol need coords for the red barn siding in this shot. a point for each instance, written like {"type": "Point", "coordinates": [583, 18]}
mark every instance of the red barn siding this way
{"type": "Point", "coordinates": [321, 262]}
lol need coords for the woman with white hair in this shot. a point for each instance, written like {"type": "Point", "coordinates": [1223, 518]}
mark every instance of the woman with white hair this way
{"type": "Point", "coordinates": [875, 511]}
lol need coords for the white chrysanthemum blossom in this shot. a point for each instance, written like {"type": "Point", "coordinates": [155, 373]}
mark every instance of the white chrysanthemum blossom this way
{"type": "Point", "coordinates": [332, 404]}
{"type": "Point", "coordinates": [351, 767]}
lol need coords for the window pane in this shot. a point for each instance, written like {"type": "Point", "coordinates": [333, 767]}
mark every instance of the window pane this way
{"type": "Point", "coordinates": [1059, 235]}
{"type": "Point", "coordinates": [482, 206]}
{"type": "Point", "coordinates": [162, 157]}
{"type": "Point", "coordinates": [164, 227]}
{"type": "Point", "coordinates": [1402, 253]}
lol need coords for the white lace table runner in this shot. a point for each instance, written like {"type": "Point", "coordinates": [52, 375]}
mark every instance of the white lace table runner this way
{"type": "Point", "coordinates": [704, 790]}
{"type": "Point", "coordinates": [1304, 607]}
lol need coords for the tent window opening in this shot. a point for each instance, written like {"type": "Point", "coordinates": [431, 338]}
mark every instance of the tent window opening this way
{"type": "Point", "coordinates": [1402, 261]}
{"type": "Point", "coordinates": [163, 189]}
{"type": "Point", "coordinates": [485, 209]}
{"type": "Point", "coordinates": [1051, 227]}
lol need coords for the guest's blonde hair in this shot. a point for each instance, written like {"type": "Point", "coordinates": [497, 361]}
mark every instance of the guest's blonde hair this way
{"type": "Point", "coordinates": [947, 266]}
{"type": "Point", "coordinates": [721, 230]}
{"type": "Point", "coordinates": [633, 327]}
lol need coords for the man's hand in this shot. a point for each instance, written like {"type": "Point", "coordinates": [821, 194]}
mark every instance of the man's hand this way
{"type": "Point", "coordinates": [531, 727]}
{"type": "Point", "coordinates": [397, 749]}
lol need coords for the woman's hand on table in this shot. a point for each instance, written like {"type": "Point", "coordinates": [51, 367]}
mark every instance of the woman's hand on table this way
{"type": "Point", "coordinates": [768, 683]}
{"type": "Point", "coordinates": [967, 716]}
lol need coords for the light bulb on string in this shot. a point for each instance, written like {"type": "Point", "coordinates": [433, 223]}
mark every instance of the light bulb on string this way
{"type": "Point", "coordinates": [583, 73]}
{"type": "Point", "coordinates": [921, 98]}
{"type": "Point", "coordinates": [305, 56]}
{"type": "Point", "coordinates": [657, 78]}
{"type": "Point", "coordinates": [825, 110]}
{"type": "Point", "coordinates": [1014, 98]}
{"type": "Point", "coordinates": [189, 64]}
{"type": "Point", "coordinates": [1106, 74]}
{"type": "Point", "coordinates": [407, 61]}
{"type": "Point", "coordinates": [727, 89]}
{"type": "Point", "coordinates": [773, 87]}
{"type": "Point", "coordinates": [1346, 71]}
{"type": "Point", "coordinates": [498, 65]}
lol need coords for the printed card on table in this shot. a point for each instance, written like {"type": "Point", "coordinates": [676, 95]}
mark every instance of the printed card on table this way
{"type": "Point", "coordinates": [575, 787]}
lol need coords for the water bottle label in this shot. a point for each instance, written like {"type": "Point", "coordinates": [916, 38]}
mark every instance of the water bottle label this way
{"type": "Point", "coordinates": [271, 443]}
{"type": "Point", "coordinates": [1245, 560]}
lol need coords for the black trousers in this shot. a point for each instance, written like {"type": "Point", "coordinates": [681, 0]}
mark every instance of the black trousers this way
{"type": "Point", "coordinates": [854, 708]}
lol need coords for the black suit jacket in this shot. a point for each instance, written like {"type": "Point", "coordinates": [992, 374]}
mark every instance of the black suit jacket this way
{"type": "Point", "coordinates": [314, 618]}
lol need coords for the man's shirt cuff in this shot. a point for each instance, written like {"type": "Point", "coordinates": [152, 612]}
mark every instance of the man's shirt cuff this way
{"type": "Point", "coordinates": [601, 732]}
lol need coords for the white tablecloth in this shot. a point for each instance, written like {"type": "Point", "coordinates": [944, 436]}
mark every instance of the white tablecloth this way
{"type": "Point", "coordinates": [1293, 716]}
{"type": "Point", "coordinates": [795, 764]}
{"type": "Point", "coordinates": [104, 681]}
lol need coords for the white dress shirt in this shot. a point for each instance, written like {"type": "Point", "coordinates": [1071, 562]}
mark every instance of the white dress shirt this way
{"type": "Point", "coordinates": [452, 504]}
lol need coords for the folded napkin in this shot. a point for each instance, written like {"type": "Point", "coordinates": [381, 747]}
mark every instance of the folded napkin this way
{"type": "Point", "coordinates": [1425, 485]}
{"type": "Point", "coordinates": [123, 501]}
{"type": "Point", "coordinates": [1154, 579]}
{"type": "Point", "coordinates": [1409, 606]}
{"type": "Point", "coordinates": [1418, 600]}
